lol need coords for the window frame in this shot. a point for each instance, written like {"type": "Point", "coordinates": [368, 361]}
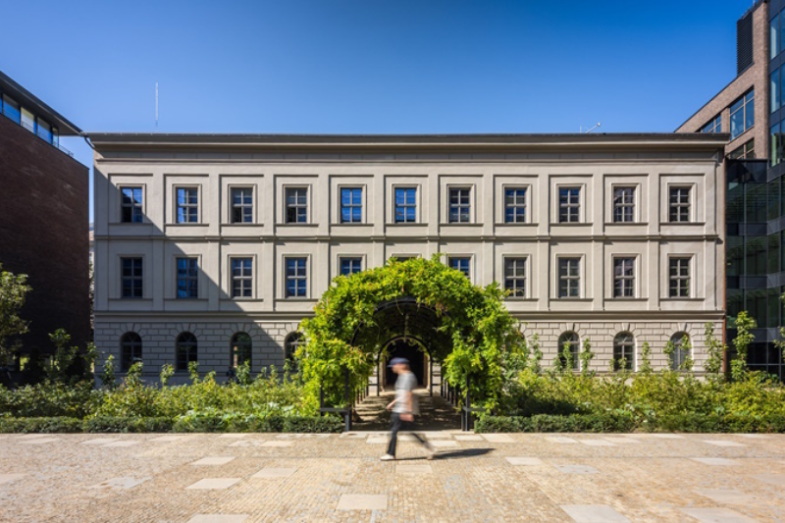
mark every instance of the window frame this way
{"type": "Point", "coordinates": [570, 281]}
{"type": "Point", "coordinates": [349, 258]}
{"type": "Point", "coordinates": [293, 341]}
{"type": "Point", "coordinates": [352, 205]}
{"type": "Point", "coordinates": [242, 207]}
{"type": "Point", "coordinates": [242, 279]}
{"type": "Point", "coordinates": [134, 346]}
{"type": "Point", "coordinates": [406, 205]}
{"type": "Point", "coordinates": [713, 126]}
{"type": "Point", "coordinates": [188, 278]}
{"type": "Point", "coordinates": [624, 205]}
{"type": "Point", "coordinates": [681, 262]}
{"type": "Point", "coordinates": [516, 206]}
{"type": "Point", "coordinates": [629, 282]}
{"type": "Point", "coordinates": [134, 277]}
{"type": "Point", "coordinates": [187, 206]}
{"type": "Point", "coordinates": [297, 206]}
{"type": "Point", "coordinates": [133, 206]}
{"type": "Point", "coordinates": [569, 209]}
{"type": "Point", "coordinates": [678, 206]}
{"type": "Point", "coordinates": [516, 277]}
{"type": "Point", "coordinates": [624, 343]}
{"type": "Point", "coordinates": [191, 348]}
{"type": "Point", "coordinates": [462, 208]}
{"type": "Point", "coordinates": [304, 277]}
{"type": "Point", "coordinates": [461, 258]}
{"type": "Point", "coordinates": [744, 101]}
{"type": "Point", "coordinates": [679, 355]}
{"type": "Point", "coordinates": [575, 348]}
{"type": "Point", "coordinates": [237, 347]}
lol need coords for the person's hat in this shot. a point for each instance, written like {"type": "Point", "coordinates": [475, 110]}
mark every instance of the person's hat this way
{"type": "Point", "coordinates": [398, 361]}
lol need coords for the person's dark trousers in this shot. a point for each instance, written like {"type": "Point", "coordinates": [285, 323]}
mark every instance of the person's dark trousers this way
{"type": "Point", "coordinates": [398, 425]}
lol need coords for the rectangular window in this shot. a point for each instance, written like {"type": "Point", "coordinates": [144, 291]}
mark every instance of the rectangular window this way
{"type": "Point", "coordinates": [242, 277]}
{"type": "Point", "coordinates": [776, 93]}
{"type": "Point", "coordinates": [131, 277]}
{"type": "Point", "coordinates": [242, 205]}
{"type": "Point", "coordinates": [679, 204]}
{"type": "Point", "coordinates": [350, 266]}
{"type": "Point", "coordinates": [351, 205]}
{"type": "Point", "coordinates": [744, 152]}
{"type": "Point", "coordinates": [460, 264]}
{"type": "Point", "coordinates": [187, 278]}
{"type": "Point", "coordinates": [569, 277]}
{"type": "Point", "coordinates": [515, 276]}
{"type": "Point", "coordinates": [11, 109]}
{"type": "Point", "coordinates": [714, 126]}
{"type": "Point", "coordinates": [742, 114]}
{"type": "Point", "coordinates": [775, 36]}
{"type": "Point", "coordinates": [131, 205]}
{"type": "Point", "coordinates": [296, 277]}
{"type": "Point", "coordinates": [624, 204]}
{"type": "Point", "coordinates": [679, 278]}
{"type": "Point", "coordinates": [623, 277]}
{"type": "Point", "coordinates": [187, 205]}
{"type": "Point", "coordinates": [460, 205]}
{"type": "Point", "coordinates": [776, 147]}
{"type": "Point", "coordinates": [406, 205]}
{"type": "Point", "coordinates": [297, 205]}
{"type": "Point", "coordinates": [28, 120]}
{"type": "Point", "coordinates": [569, 204]}
{"type": "Point", "coordinates": [515, 205]}
{"type": "Point", "coordinates": [44, 130]}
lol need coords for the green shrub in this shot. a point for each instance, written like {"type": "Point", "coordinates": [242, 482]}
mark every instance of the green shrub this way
{"type": "Point", "coordinates": [40, 425]}
{"type": "Point", "coordinates": [109, 424]}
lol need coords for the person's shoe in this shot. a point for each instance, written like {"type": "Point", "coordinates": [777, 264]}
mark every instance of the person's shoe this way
{"type": "Point", "coordinates": [388, 457]}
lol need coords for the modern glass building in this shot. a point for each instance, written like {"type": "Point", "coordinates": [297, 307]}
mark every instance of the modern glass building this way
{"type": "Point", "coordinates": [752, 109]}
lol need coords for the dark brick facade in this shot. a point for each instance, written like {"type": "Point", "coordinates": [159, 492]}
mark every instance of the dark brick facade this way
{"type": "Point", "coordinates": [44, 199]}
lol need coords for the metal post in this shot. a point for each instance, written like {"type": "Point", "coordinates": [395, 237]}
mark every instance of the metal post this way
{"type": "Point", "coordinates": [468, 405]}
{"type": "Point", "coordinates": [321, 395]}
{"type": "Point", "coordinates": [348, 415]}
{"type": "Point", "coordinates": [378, 378]}
{"type": "Point", "coordinates": [430, 379]}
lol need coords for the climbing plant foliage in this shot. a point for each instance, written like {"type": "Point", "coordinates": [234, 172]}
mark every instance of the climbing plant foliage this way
{"type": "Point", "coordinates": [477, 332]}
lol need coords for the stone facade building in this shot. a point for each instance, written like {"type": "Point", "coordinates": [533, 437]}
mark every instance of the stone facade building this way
{"type": "Point", "coordinates": [214, 247]}
{"type": "Point", "coordinates": [44, 206]}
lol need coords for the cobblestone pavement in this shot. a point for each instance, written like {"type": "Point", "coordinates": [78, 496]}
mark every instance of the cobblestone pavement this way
{"type": "Point", "coordinates": [234, 478]}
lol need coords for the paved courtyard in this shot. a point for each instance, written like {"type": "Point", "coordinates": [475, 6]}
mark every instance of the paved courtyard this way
{"type": "Point", "coordinates": [233, 478]}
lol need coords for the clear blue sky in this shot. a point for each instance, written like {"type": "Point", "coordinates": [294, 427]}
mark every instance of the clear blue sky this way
{"type": "Point", "coordinates": [371, 66]}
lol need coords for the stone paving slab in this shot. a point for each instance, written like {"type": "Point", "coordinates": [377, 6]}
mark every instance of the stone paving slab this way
{"type": "Point", "coordinates": [717, 515]}
{"type": "Point", "coordinates": [594, 514]}
{"type": "Point", "coordinates": [656, 479]}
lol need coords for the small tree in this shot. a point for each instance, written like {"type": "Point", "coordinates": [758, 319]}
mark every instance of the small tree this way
{"type": "Point", "coordinates": [536, 354]}
{"type": "Point", "coordinates": [670, 350]}
{"type": "Point", "coordinates": [13, 291]}
{"type": "Point", "coordinates": [645, 363]}
{"type": "Point", "coordinates": [716, 350]}
{"type": "Point", "coordinates": [108, 375]}
{"type": "Point", "coordinates": [685, 347]}
{"type": "Point", "coordinates": [58, 368]}
{"type": "Point", "coordinates": [586, 356]}
{"type": "Point", "coordinates": [167, 371]}
{"type": "Point", "coordinates": [744, 325]}
{"type": "Point", "coordinates": [193, 371]}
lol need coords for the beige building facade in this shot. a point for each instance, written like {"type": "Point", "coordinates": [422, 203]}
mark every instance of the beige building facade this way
{"type": "Point", "coordinates": [205, 240]}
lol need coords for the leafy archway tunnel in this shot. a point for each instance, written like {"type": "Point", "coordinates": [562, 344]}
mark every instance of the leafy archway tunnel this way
{"type": "Point", "coordinates": [465, 328]}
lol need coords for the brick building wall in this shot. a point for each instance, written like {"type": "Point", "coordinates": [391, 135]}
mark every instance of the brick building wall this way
{"type": "Point", "coordinates": [44, 198]}
{"type": "Point", "coordinates": [756, 76]}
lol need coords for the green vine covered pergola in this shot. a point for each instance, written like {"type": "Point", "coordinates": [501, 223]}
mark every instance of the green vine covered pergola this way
{"type": "Point", "coordinates": [464, 327]}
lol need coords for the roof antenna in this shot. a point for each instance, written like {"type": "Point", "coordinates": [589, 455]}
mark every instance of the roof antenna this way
{"type": "Point", "coordinates": [590, 129]}
{"type": "Point", "coordinates": [156, 106]}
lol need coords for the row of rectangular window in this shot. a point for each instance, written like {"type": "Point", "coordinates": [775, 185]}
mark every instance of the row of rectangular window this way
{"type": "Point", "coordinates": [742, 116]}
{"type": "Point", "coordinates": [569, 276]}
{"type": "Point", "coordinates": [777, 42]}
{"type": "Point", "coordinates": [35, 124]}
{"type": "Point", "coordinates": [515, 208]}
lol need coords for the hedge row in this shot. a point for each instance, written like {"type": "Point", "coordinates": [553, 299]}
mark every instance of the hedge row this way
{"type": "Point", "coordinates": [302, 424]}
{"type": "Point", "coordinates": [627, 423]}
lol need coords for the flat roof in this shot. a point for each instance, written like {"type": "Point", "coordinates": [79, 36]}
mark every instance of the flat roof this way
{"type": "Point", "coordinates": [282, 140]}
{"type": "Point", "coordinates": [32, 103]}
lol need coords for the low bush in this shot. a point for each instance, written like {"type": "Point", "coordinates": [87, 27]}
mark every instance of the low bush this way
{"type": "Point", "coordinates": [274, 423]}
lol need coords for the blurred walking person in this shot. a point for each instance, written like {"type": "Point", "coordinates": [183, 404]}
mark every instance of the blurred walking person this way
{"type": "Point", "coordinates": [404, 407]}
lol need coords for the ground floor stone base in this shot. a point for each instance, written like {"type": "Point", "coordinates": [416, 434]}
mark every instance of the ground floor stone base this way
{"type": "Point", "coordinates": [214, 339]}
